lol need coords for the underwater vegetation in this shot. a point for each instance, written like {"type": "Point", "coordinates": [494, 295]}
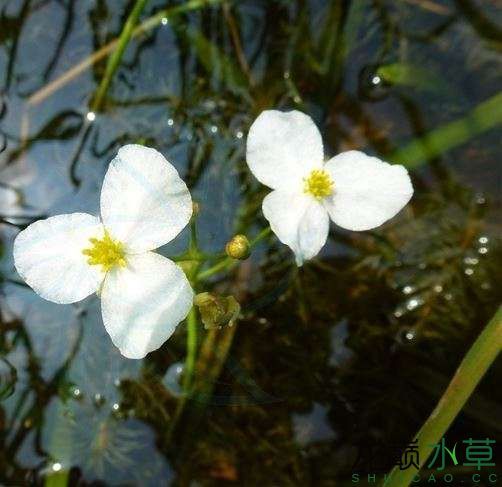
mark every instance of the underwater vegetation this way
{"type": "Point", "coordinates": [280, 375]}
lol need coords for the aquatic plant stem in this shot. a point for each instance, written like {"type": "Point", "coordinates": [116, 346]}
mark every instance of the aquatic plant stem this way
{"type": "Point", "coordinates": [471, 370]}
{"type": "Point", "coordinates": [228, 262]}
{"type": "Point", "coordinates": [57, 479]}
{"type": "Point", "coordinates": [191, 351]}
{"type": "Point", "coordinates": [188, 373]}
{"type": "Point", "coordinates": [192, 334]}
{"type": "Point", "coordinates": [193, 251]}
{"type": "Point", "coordinates": [116, 57]}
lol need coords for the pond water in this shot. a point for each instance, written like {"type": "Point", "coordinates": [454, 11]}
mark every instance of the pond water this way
{"type": "Point", "coordinates": [352, 349]}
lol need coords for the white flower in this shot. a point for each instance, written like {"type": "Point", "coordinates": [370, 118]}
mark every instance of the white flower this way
{"type": "Point", "coordinates": [65, 258]}
{"type": "Point", "coordinates": [358, 192]}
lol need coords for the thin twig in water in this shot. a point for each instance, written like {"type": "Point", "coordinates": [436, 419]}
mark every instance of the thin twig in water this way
{"type": "Point", "coordinates": [431, 6]}
{"type": "Point", "coordinates": [236, 41]}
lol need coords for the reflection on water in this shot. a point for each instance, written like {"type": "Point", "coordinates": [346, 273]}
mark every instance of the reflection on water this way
{"type": "Point", "coordinates": [356, 346]}
{"type": "Point", "coordinates": [313, 426]}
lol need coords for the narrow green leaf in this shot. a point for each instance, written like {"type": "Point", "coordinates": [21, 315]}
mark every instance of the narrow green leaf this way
{"type": "Point", "coordinates": [485, 116]}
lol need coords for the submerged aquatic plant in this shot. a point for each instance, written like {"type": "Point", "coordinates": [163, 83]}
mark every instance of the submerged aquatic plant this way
{"type": "Point", "coordinates": [356, 191]}
{"type": "Point", "coordinates": [114, 449]}
{"type": "Point", "coordinates": [65, 258]}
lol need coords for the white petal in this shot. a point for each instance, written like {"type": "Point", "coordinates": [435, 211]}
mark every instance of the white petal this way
{"type": "Point", "coordinates": [48, 256]}
{"type": "Point", "coordinates": [144, 202]}
{"type": "Point", "coordinates": [143, 302]}
{"type": "Point", "coordinates": [283, 147]}
{"type": "Point", "coordinates": [367, 191]}
{"type": "Point", "coordinates": [299, 221]}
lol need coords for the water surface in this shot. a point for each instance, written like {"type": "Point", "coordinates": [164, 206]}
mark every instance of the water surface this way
{"type": "Point", "coordinates": [353, 349]}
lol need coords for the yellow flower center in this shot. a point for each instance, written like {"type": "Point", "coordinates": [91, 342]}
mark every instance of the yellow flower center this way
{"type": "Point", "coordinates": [318, 184]}
{"type": "Point", "coordinates": [105, 252]}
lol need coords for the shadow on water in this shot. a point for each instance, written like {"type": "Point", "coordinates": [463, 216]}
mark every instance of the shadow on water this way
{"type": "Point", "coordinates": [354, 348]}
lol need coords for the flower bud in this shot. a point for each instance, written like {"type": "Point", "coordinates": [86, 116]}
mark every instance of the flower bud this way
{"type": "Point", "coordinates": [238, 247]}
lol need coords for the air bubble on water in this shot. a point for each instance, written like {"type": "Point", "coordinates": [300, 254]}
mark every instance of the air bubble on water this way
{"type": "Point", "coordinates": [214, 129]}
{"type": "Point", "coordinates": [448, 296]}
{"type": "Point", "coordinates": [413, 303]}
{"type": "Point", "coordinates": [438, 288]}
{"type": "Point", "coordinates": [371, 84]}
{"type": "Point", "coordinates": [376, 80]}
{"type": "Point", "coordinates": [405, 335]}
{"type": "Point", "coordinates": [56, 467]}
{"type": "Point", "coordinates": [116, 406]}
{"type": "Point", "coordinates": [90, 116]}
{"type": "Point", "coordinates": [408, 289]}
{"type": "Point", "coordinates": [483, 250]}
{"type": "Point", "coordinates": [483, 240]}
{"type": "Point", "coordinates": [286, 75]}
{"type": "Point", "coordinates": [398, 312]}
{"type": "Point", "coordinates": [170, 122]}
{"type": "Point", "coordinates": [410, 335]}
{"type": "Point", "coordinates": [469, 271]}
{"type": "Point", "coordinates": [471, 260]}
{"type": "Point", "coordinates": [239, 134]}
{"type": "Point", "coordinates": [164, 21]}
{"type": "Point", "coordinates": [76, 393]}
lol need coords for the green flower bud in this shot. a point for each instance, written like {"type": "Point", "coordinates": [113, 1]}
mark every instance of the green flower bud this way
{"type": "Point", "coordinates": [238, 247]}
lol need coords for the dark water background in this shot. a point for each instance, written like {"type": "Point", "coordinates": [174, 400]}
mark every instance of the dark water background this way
{"type": "Point", "coordinates": [353, 349]}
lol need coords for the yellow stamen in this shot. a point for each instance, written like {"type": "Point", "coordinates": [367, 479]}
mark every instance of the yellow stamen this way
{"type": "Point", "coordinates": [105, 252]}
{"type": "Point", "coordinates": [318, 184]}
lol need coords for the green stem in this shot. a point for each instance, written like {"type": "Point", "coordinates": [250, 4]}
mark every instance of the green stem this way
{"type": "Point", "coordinates": [57, 479]}
{"type": "Point", "coordinates": [228, 262]}
{"type": "Point", "coordinates": [201, 257]}
{"type": "Point", "coordinates": [191, 351]}
{"type": "Point", "coordinates": [219, 266]}
{"type": "Point", "coordinates": [263, 234]}
{"type": "Point", "coordinates": [473, 367]}
{"type": "Point", "coordinates": [115, 58]}
{"type": "Point", "coordinates": [193, 249]}
{"type": "Point", "coordinates": [188, 373]}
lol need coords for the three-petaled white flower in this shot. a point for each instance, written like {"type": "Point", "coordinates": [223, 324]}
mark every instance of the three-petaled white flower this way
{"type": "Point", "coordinates": [358, 192]}
{"type": "Point", "coordinates": [65, 258]}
